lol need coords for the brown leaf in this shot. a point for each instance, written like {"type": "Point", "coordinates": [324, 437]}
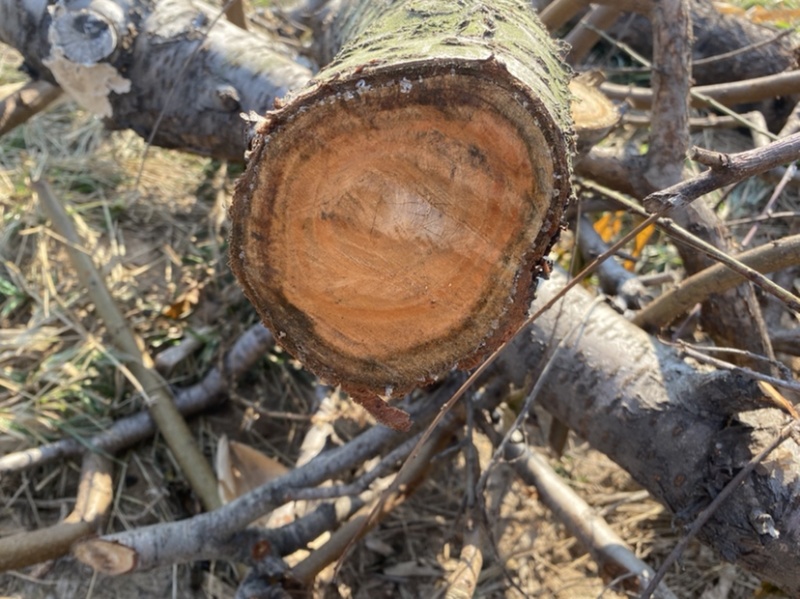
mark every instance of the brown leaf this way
{"type": "Point", "coordinates": [240, 469]}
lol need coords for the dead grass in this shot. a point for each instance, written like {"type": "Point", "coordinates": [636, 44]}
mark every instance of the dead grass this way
{"type": "Point", "coordinates": [161, 244]}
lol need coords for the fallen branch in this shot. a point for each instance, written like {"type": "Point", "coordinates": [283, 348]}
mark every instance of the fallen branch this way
{"type": "Point", "coordinates": [584, 35]}
{"type": "Point", "coordinates": [404, 484]}
{"type": "Point", "coordinates": [27, 101]}
{"type": "Point", "coordinates": [729, 94]}
{"type": "Point", "coordinates": [92, 504]}
{"type": "Point", "coordinates": [135, 357]}
{"type": "Point", "coordinates": [126, 64]}
{"type": "Point", "coordinates": [612, 554]}
{"type": "Point", "coordinates": [198, 537]}
{"type": "Point", "coordinates": [124, 433]}
{"type": "Point", "coordinates": [615, 280]}
{"type": "Point", "coordinates": [685, 429]}
{"type": "Point", "coordinates": [775, 255]}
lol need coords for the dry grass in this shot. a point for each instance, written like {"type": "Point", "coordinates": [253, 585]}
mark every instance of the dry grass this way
{"type": "Point", "coordinates": [161, 244]}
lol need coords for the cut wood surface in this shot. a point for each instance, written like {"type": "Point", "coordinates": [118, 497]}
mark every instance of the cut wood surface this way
{"type": "Point", "coordinates": [395, 214]}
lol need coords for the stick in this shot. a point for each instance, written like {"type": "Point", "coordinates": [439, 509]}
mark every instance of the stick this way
{"type": "Point", "coordinates": [91, 508]}
{"type": "Point", "coordinates": [730, 94]}
{"type": "Point", "coordinates": [247, 350]}
{"type": "Point", "coordinates": [26, 102]}
{"type": "Point", "coordinates": [606, 547]}
{"type": "Point", "coordinates": [767, 258]}
{"type": "Point", "coordinates": [154, 389]}
{"type": "Point", "coordinates": [198, 537]}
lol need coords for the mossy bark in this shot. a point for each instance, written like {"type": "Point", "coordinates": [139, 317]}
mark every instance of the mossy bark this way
{"type": "Point", "coordinates": [395, 213]}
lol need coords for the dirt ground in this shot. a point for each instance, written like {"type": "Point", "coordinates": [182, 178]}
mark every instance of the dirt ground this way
{"type": "Point", "coordinates": [160, 240]}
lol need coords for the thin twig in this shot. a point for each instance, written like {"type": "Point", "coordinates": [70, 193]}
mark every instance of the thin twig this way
{"type": "Point", "coordinates": [684, 236]}
{"type": "Point", "coordinates": [744, 49]}
{"type": "Point", "coordinates": [724, 365]}
{"type": "Point", "coordinates": [123, 433]}
{"type": "Point", "coordinates": [403, 484]}
{"type": "Point", "coordinates": [463, 580]}
{"type": "Point", "coordinates": [787, 176]}
{"type": "Point", "coordinates": [609, 551]}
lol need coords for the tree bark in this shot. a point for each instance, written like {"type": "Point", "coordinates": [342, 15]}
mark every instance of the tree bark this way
{"type": "Point", "coordinates": [159, 68]}
{"type": "Point", "coordinates": [395, 213]}
{"type": "Point", "coordinates": [750, 50]}
{"type": "Point", "coordinates": [680, 430]}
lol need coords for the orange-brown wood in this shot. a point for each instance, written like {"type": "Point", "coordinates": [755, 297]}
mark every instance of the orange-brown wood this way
{"type": "Point", "coordinates": [391, 231]}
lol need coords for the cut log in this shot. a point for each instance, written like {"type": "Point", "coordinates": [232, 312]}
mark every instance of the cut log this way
{"type": "Point", "coordinates": [395, 214]}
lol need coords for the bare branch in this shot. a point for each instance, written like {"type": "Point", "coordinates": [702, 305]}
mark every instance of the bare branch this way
{"type": "Point", "coordinates": [27, 101]}
{"type": "Point", "coordinates": [729, 94]}
{"type": "Point", "coordinates": [247, 350]}
{"type": "Point", "coordinates": [91, 509]}
{"type": "Point", "coordinates": [770, 257]}
{"type": "Point", "coordinates": [725, 169]}
{"type": "Point", "coordinates": [198, 537]}
{"type": "Point", "coordinates": [610, 552]}
{"type": "Point", "coordinates": [142, 371]}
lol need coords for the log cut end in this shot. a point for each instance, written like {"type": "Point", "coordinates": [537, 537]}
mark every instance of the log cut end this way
{"type": "Point", "coordinates": [390, 228]}
{"type": "Point", "coordinates": [593, 114]}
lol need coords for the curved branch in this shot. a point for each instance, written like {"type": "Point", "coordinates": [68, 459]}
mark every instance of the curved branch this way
{"type": "Point", "coordinates": [725, 169]}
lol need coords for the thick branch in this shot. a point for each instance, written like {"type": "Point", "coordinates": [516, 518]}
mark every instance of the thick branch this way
{"type": "Point", "coordinates": [87, 517]}
{"type": "Point", "coordinates": [142, 64]}
{"type": "Point", "coordinates": [679, 431]}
